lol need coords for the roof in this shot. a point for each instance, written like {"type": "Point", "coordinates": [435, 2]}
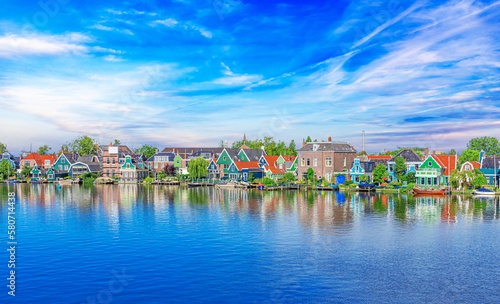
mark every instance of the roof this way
{"type": "Point", "coordinates": [40, 159]}
{"type": "Point", "coordinates": [184, 152]}
{"type": "Point", "coordinates": [289, 158]}
{"type": "Point", "coordinates": [448, 161]}
{"type": "Point", "coordinates": [247, 165]}
{"type": "Point", "coordinates": [327, 146]}
{"type": "Point", "coordinates": [368, 166]}
{"type": "Point", "coordinates": [254, 154]}
{"type": "Point", "coordinates": [271, 159]}
{"type": "Point", "coordinates": [474, 164]}
{"type": "Point", "coordinates": [121, 148]}
{"type": "Point", "coordinates": [373, 157]}
{"type": "Point", "coordinates": [408, 154]}
{"type": "Point", "coordinates": [491, 162]}
{"type": "Point", "coordinates": [69, 157]}
{"type": "Point", "coordinates": [172, 155]}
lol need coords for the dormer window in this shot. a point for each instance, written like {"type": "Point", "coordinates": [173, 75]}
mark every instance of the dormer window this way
{"type": "Point", "coordinates": [430, 164]}
{"type": "Point", "coordinates": [63, 160]}
{"type": "Point", "coordinates": [315, 147]}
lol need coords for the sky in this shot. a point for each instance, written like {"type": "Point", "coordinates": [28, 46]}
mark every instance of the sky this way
{"type": "Point", "coordinates": [195, 73]}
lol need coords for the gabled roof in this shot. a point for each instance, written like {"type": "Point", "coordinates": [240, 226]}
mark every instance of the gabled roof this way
{"type": "Point", "coordinates": [289, 158]}
{"type": "Point", "coordinates": [448, 161]}
{"type": "Point", "coordinates": [408, 154]}
{"type": "Point", "coordinates": [491, 162]}
{"type": "Point", "coordinates": [253, 154]}
{"type": "Point", "coordinates": [40, 159]}
{"type": "Point", "coordinates": [247, 165]}
{"type": "Point", "coordinates": [69, 157]}
{"type": "Point", "coordinates": [327, 146]}
{"type": "Point", "coordinates": [271, 159]}
{"type": "Point", "coordinates": [368, 166]}
{"type": "Point", "coordinates": [473, 164]}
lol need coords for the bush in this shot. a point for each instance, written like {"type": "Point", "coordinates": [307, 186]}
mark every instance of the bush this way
{"type": "Point", "coordinates": [395, 184]}
{"type": "Point", "coordinates": [410, 187]}
{"type": "Point", "coordinates": [348, 182]}
{"type": "Point", "coordinates": [267, 181]}
{"type": "Point", "coordinates": [148, 180]}
{"type": "Point", "coordinates": [384, 184]}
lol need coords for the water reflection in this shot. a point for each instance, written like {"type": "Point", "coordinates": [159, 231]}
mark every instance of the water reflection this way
{"type": "Point", "coordinates": [121, 203]}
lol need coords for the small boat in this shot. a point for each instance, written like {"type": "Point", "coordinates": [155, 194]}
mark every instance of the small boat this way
{"type": "Point", "coordinates": [483, 192]}
{"type": "Point", "coordinates": [366, 187]}
{"type": "Point", "coordinates": [12, 181]}
{"type": "Point", "coordinates": [331, 187]}
{"type": "Point", "coordinates": [192, 185]}
{"type": "Point", "coordinates": [65, 182]}
{"type": "Point", "coordinates": [35, 181]}
{"type": "Point", "coordinates": [430, 191]}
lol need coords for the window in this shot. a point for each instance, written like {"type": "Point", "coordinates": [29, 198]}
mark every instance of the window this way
{"type": "Point", "coordinates": [467, 167]}
{"type": "Point", "coordinates": [224, 158]}
{"type": "Point", "coordinates": [308, 162]}
{"type": "Point", "coordinates": [113, 172]}
{"type": "Point", "coordinates": [429, 164]}
{"type": "Point", "coordinates": [281, 166]}
{"type": "Point", "coordinates": [303, 162]}
{"type": "Point", "coordinates": [422, 181]}
{"type": "Point", "coordinates": [66, 167]}
{"type": "Point", "coordinates": [315, 162]}
{"type": "Point", "coordinates": [107, 160]}
{"type": "Point", "coordinates": [63, 160]}
{"type": "Point", "coordinates": [47, 162]}
{"type": "Point", "coordinates": [435, 181]}
{"type": "Point", "coordinates": [345, 161]}
{"type": "Point", "coordinates": [429, 181]}
{"type": "Point", "coordinates": [328, 161]}
{"type": "Point", "coordinates": [113, 160]}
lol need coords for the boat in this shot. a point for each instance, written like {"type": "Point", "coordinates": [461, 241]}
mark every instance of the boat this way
{"type": "Point", "coordinates": [192, 185]}
{"type": "Point", "coordinates": [331, 187]}
{"type": "Point", "coordinates": [366, 187]}
{"type": "Point", "coordinates": [65, 182]}
{"type": "Point", "coordinates": [12, 181]}
{"type": "Point", "coordinates": [429, 191]}
{"type": "Point", "coordinates": [35, 181]}
{"type": "Point", "coordinates": [483, 192]}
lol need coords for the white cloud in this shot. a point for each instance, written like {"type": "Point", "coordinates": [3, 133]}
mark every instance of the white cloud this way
{"type": "Point", "coordinates": [113, 58]}
{"type": "Point", "coordinates": [167, 22]}
{"type": "Point", "coordinates": [172, 23]}
{"type": "Point", "coordinates": [111, 29]}
{"type": "Point", "coordinates": [12, 45]}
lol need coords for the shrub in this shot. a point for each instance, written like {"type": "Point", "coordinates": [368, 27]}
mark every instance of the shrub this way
{"type": "Point", "coordinates": [384, 184]}
{"type": "Point", "coordinates": [395, 184]}
{"type": "Point", "coordinates": [267, 181]}
{"type": "Point", "coordinates": [348, 182]}
{"type": "Point", "coordinates": [148, 179]}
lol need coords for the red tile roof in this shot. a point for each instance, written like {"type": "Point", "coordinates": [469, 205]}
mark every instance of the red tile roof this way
{"type": "Point", "coordinates": [448, 161]}
{"type": "Point", "coordinates": [475, 164]}
{"type": "Point", "coordinates": [40, 159]}
{"type": "Point", "coordinates": [247, 165]}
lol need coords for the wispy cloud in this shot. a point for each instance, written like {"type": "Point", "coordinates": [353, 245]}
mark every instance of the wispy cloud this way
{"type": "Point", "coordinates": [13, 45]}
{"type": "Point", "coordinates": [111, 29]}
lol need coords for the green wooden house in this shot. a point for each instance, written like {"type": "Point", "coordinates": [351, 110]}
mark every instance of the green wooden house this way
{"type": "Point", "coordinates": [435, 170]}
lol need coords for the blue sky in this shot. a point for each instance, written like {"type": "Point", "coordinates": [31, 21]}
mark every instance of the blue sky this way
{"type": "Point", "coordinates": [193, 73]}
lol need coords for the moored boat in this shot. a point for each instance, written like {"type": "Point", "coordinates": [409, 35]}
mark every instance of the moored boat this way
{"type": "Point", "coordinates": [65, 182]}
{"type": "Point", "coordinates": [192, 185]}
{"type": "Point", "coordinates": [35, 181]}
{"type": "Point", "coordinates": [429, 191]}
{"type": "Point", "coordinates": [366, 187]}
{"type": "Point", "coordinates": [483, 192]}
{"type": "Point", "coordinates": [12, 181]}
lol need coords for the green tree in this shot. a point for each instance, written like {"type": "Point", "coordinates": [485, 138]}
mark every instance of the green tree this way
{"type": "Point", "coordinates": [379, 173]}
{"type": "Point", "coordinates": [292, 147]}
{"type": "Point", "coordinates": [308, 139]}
{"type": "Point", "coordinates": [198, 167]}
{"type": "Point", "coordinates": [455, 178]}
{"type": "Point", "coordinates": [117, 142]}
{"type": "Point", "coordinates": [468, 155]}
{"type": "Point", "coordinates": [410, 177]}
{"type": "Point", "coordinates": [6, 169]}
{"type": "Point", "coordinates": [2, 148]}
{"type": "Point", "coordinates": [26, 171]}
{"type": "Point", "coordinates": [479, 181]}
{"type": "Point", "coordinates": [486, 143]}
{"type": "Point", "coordinates": [83, 145]}
{"type": "Point", "coordinates": [310, 175]}
{"type": "Point", "coordinates": [400, 168]}
{"type": "Point", "coordinates": [452, 152]}
{"type": "Point", "coordinates": [147, 150]}
{"type": "Point", "coordinates": [363, 178]}
{"type": "Point", "coordinates": [44, 149]}
{"type": "Point", "coordinates": [289, 177]}
{"type": "Point", "coordinates": [251, 177]}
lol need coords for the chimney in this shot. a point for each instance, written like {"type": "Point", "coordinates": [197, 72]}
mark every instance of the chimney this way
{"type": "Point", "coordinates": [303, 142]}
{"type": "Point", "coordinates": [329, 139]}
{"type": "Point", "coordinates": [426, 153]}
{"type": "Point", "coordinates": [434, 152]}
{"type": "Point", "coordinates": [156, 150]}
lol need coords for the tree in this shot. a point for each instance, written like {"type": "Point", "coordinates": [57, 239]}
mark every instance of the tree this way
{"type": "Point", "coordinates": [83, 145]}
{"type": "Point", "coordinates": [487, 144]}
{"type": "Point", "coordinates": [6, 169]}
{"type": "Point", "coordinates": [310, 175]}
{"type": "Point", "coordinates": [400, 168]}
{"type": "Point", "coordinates": [455, 178]}
{"type": "Point", "coordinates": [250, 177]}
{"type": "Point", "coordinates": [147, 150]}
{"type": "Point", "coordinates": [410, 177]}
{"type": "Point", "coordinates": [2, 148]}
{"type": "Point", "coordinates": [267, 181]}
{"type": "Point", "coordinates": [363, 178]}
{"type": "Point", "coordinates": [468, 155]}
{"type": "Point", "coordinates": [379, 173]}
{"type": "Point", "coordinates": [292, 147]}
{"type": "Point", "coordinates": [198, 167]}
{"type": "Point", "coordinates": [170, 170]}
{"type": "Point", "coordinates": [452, 152]}
{"type": "Point", "coordinates": [308, 139]}
{"type": "Point", "coordinates": [44, 149]}
{"type": "Point", "coordinates": [479, 180]}
{"type": "Point", "coordinates": [117, 142]}
{"type": "Point", "coordinates": [26, 171]}
{"type": "Point", "coordinates": [289, 177]}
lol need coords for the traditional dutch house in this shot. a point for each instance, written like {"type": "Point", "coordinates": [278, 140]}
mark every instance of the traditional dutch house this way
{"type": "Point", "coordinates": [63, 163]}
{"type": "Point", "coordinates": [490, 166]}
{"type": "Point", "coordinates": [241, 170]}
{"type": "Point", "coordinates": [160, 160]}
{"type": "Point", "coordinates": [85, 164]}
{"type": "Point", "coordinates": [113, 158]}
{"type": "Point", "coordinates": [359, 168]}
{"type": "Point", "coordinates": [412, 160]}
{"type": "Point", "coordinates": [325, 158]}
{"type": "Point", "coordinates": [10, 159]}
{"type": "Point", "coordinates": [435, 170]}
{"type": "Point", "coordinates": [133, 169]}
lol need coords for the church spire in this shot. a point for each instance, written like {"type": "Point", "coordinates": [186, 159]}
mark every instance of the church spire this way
{"type": "Point", "coordinates": [244, 138]}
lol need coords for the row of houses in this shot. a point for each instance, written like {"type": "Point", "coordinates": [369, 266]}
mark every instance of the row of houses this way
{"type": "Point", "coordinates": [327, 159]}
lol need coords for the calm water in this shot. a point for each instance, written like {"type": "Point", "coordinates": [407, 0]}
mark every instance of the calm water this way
{"type": "Point", "coordinates": [138, 244]}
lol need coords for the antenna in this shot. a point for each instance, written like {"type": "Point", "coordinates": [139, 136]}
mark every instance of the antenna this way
{"type": "Point", "coordinates": [363, 141]}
